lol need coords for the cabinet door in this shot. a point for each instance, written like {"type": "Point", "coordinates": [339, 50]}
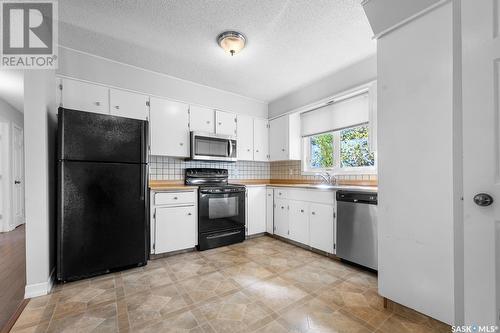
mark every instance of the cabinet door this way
{"type": "Point", "coordinates": [278, 138]}
{"type": "Point", "coordinates": [201, 119]}
{"type": "Point", "coordinates": [260, 140]}
{"type": "Point", "coordinates": [175, 228]}
{"type": "Point", "coordinates": [83, 96]}
{"type": "Point", "coordinates": [128, 104]}
{"type": "Point", "coordinates": [245, 130]}
{"type": "Point", "coordinates": [225, 123]}
{"type": "Point", "coordinates": [270, 211]}
{"type": "Point", "coordinates": [321, 227]}
{"type": "Point", "coordinates": [299, 221]}
{"type": "Point", "coordinates": [169, 128]}
{"type": "Point", "coordinates": [281, 218]}
{"type": "Point", "coordinates": [256, 222]}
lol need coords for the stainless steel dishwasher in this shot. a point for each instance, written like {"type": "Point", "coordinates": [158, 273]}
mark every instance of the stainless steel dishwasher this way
{"type": "Point", "coordinates": [357, 227]}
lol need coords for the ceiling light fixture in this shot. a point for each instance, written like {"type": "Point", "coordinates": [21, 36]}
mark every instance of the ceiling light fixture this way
{"type": "Point", "coordinates": [231, 41]}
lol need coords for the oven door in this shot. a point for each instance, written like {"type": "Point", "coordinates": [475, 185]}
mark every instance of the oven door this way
{"type": "Point", "coordinates": [212, 147]}
{"type": "Point", "coordinates": [221, 211]}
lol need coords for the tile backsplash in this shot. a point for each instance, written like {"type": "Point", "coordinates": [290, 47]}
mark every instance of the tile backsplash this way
{"type": "Point", "coordinates": [169, 168]}
{"type": "Point", "coordinates": [293, 170]}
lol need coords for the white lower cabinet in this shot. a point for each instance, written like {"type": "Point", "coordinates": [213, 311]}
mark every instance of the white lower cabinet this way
{"type": "Point", "coordinates": [306, 217]}
{"type": "Point", "coordinates": [299, 221]}
{"type": "Point", "coordinates": [175, 229]}
{"type": "Point", "coordinates": [281, 222]}
{"type": "Point", "coordinates": [270, 211]}
{"type": "Point", "coordinates": [174, 224]}
{"type": "Point", "coordinates": [321, 227]}
{"type": "Point", "coordinates": [256, 215]}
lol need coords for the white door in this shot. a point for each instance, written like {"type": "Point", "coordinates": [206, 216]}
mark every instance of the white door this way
{"type": "Point", "coordinates": [299, 221]}
{"type": "Point", "coordinates": [128, 104]}
{"type": "Point", "coordinates": [83, 96]}
{"type": "Point", "coordinates": [321, 227]}
{"type": "Point", "coordinates": [201, 119]}
{"type": "Point", "coordinates": [225, 123]}
{"type": "Point", "coordinates": [281, 217]}
{"type": "Point", "coordinates": [278, 137]}
{"type": "Point", "coordinates": [175, 229]}
{"type": "Point", "coordinates": [18, 176]}
{"type": "Point", "coordinates": [260, 140]}
{"type": "Point", "coordinates": [245, 137]}
{"type": "Point", "coordinates": [169, 128]}
{"type": "Point", "coordinates": [270, 211]}
{"type": "Point", "coordinates": [481, 157]}
{"type": "Point", "coordinates": [256, 213]}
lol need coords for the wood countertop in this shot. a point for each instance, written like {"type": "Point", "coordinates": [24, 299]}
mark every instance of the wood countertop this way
{"type": "Point", "coordinates": [172, 185]}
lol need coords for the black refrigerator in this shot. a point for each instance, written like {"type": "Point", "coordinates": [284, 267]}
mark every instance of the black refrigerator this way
{"type": "Point", "coordinates": [103, 222]}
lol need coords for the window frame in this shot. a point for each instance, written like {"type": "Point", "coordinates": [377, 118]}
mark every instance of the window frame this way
{"type": "Point", "coordinates": [336, 169]}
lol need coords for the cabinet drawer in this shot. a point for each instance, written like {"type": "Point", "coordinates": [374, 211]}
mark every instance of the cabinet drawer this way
{"type": "Point", "coordinates": [326, 197]}
{"type": "Point", "coordinates": [171, 198]}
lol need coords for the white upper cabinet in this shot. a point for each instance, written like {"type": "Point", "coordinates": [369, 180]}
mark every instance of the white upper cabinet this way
{"type": "Point", "coordinates": [284, 138]}
{"type": "Point", "coordinates": [225, 123]}
{"type": "Point", "coordinates": [201, 119]}
{"type": "Point", "coordinates": [245, 137]}
{"type": "Point", "coordinates": [169, 129]}
{"type": "Point", "coordinates": [83, 96]}
{"type": "Point", "coordinates": [128, 104]}
{"type": "Point", "coordinates": [260, 140]}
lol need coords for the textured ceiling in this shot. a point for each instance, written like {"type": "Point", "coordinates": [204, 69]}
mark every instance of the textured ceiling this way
{"type": "Point", "coordinates": [290, 42]}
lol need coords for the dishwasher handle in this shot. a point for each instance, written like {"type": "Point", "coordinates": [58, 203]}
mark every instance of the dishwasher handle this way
{"type": "Point", "coordinates": [357, 197]}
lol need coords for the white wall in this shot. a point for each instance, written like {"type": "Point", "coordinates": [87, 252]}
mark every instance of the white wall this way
{"type": "Point", "coordinates": [39, 139]}
{"type": "Point", "coordinates": [350, 77]}
{"type": "Point", "coordinates": [418, 190]}
{"type": "Point", "coordinates": [92, 68]}
{"type": "Point", "coordinates": [385, 14]}
{"type": "Point", "coordinates": [9, 113]}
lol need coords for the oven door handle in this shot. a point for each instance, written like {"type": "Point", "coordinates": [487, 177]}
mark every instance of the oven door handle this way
{"type": "Point", "coordinates": [223, 235]}
{"type": "Point", "coordinates": [230, 148]}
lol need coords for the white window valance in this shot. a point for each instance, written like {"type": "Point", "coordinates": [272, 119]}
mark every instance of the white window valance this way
{"type": "Point", "coordinates": [345, 113]}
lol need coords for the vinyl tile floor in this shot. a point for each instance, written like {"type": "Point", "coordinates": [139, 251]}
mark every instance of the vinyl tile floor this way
{"type": "Point", "coordinates": [261, 285]}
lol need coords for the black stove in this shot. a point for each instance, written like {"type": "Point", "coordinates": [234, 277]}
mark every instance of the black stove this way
{"type": "Point", "coordinates": [221, 207]}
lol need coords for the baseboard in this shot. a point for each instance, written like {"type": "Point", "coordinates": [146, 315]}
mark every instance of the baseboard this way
{"type": "Point", "coordinates": [40, 289]}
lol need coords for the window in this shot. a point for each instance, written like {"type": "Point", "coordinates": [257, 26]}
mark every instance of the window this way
{"type": "Point", "coordinates": [343, 151]}
{"type": "Point", "coordinates": [340, 134]}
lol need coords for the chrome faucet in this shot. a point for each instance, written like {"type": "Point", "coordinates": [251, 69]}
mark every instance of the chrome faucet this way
{"type": "Point", "coordinates": [328, 178]}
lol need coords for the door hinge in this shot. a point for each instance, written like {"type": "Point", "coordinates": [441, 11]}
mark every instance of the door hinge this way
{"type": "Point", "coordinates": [154, 247]}
{"type": "Point", "coordinates": [334, 215]}
{"type": "Point", "coordinates": [268, 126]}
{"type": "Point", "coordinates": [288, 232]}
{"type": "Point", "coordinates": [235, 120]}
{"type": "Point", "coordinates": [147, 103]}
{"type": "Point", "coordinates": [60, 86]}
{"type": "Point", "coordinates": [334, 246]}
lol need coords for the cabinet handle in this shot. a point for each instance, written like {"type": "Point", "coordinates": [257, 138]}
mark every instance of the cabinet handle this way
{"type": "Point", "coordinates": [175, 198]}
{"type": "Point", "coordinates": [301, 210]}
{"type": "Point", "coordinates": [314, 213]}
{"type": "Point", "coordinates": [181, 143]}
{"type": "Point", "coordinates": [117, 107]}
{"type": "Point", "coordinates": [257, 151]}
{"type": "Point", "coordinates": [282, 149]}
{"type": "Point", "coordinates": [189, 214]}
{"type": "Point", "coordinates": [282, 207]}
{"type": "Point", "coordinates": [248, 149]}
{"type": "Point", "coordinates": [97, 103]}
{"type": "Point", "coordinates": [208, 121]}
{"type": "Point", "coordinates": [220, 123]}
